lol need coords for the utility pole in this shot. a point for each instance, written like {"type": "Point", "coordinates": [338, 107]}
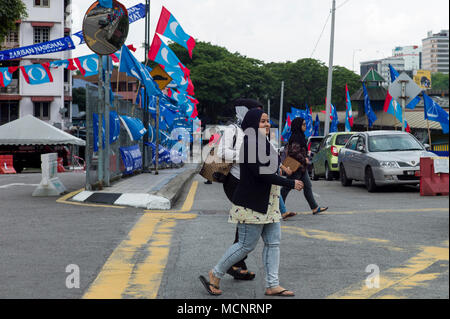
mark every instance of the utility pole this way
{"type": "Point", "coordinates": [107, 154]}
{"type": "Point", "coordinates": [101, 109]}
{"type": "Point", "coordinates": [145, 101]}
{"type": "Point", "coordinates": [330, 72]}
{"type": "Point", "coordinates": [280, 122]}
{"type": "Point", "coordinates": [268, 108]}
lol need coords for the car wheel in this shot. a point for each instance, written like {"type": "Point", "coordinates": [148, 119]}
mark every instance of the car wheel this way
{"type": "Point", "coordinates": [344, 180]}
{"type": "Point", "coordinates": [328, 174]}
{"type": "Point", "coordinates": [370, 180]}
{"type": "Point", "coordinates": [314, 176]}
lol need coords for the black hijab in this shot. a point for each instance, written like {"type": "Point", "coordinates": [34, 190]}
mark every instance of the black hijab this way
{"type": "Point", "coordinates": [297, 136]}
{"type": "Point", "coordinates": [249, 125]}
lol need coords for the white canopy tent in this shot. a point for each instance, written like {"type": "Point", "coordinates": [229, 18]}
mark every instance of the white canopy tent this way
{"type": "Point", "coordinates": [30, 130]}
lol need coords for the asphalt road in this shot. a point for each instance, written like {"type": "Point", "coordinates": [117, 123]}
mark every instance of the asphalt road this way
{"type": "Point", "coordinates": [132, 253]}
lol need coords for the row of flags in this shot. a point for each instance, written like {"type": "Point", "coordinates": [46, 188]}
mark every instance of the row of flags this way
{"type": "Point", "coordinates": [432, 111]}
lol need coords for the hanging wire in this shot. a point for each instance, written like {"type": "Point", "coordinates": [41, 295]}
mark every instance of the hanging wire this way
{"type": "Point", "coordinates": [342, 4]}
{"type": "Point", "coordinates": [320, 36]}
{"type": "Point", "coordinates": [323, 29]}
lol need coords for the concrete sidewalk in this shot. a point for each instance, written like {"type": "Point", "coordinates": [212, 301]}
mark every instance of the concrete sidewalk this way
{"type": "Point", "coordinates": [146, 190]}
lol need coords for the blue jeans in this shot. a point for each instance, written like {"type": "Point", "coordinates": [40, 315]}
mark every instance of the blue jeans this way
{"type": "Point", "coordinates": [282, 206]}
{"type": "Point", "coordinates": [248, 238]}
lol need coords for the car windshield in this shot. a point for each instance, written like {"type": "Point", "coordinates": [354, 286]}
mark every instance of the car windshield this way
{"type": "Point", "coordinates": [342, 139]}
{"type": "Point", "coordinates": [390, 143]}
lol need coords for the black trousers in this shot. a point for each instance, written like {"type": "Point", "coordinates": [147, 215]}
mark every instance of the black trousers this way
{"type": "Point", "coordinates": [229, 187]}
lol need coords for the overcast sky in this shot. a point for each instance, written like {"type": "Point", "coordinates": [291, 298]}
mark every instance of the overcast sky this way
{"type": "Point", "coordinates": [288, 30]}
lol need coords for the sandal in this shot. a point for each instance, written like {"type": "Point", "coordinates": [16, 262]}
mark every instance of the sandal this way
{"type": "Point", "coordinates": [239, 275]}
{"type": "Point", "coordinates": [208, 286]}
{"type": "Point", "coordinates": [320, 210]}
{"type": "Point", "coordinates": [285, 216]}
{"type": "Point", "coordinates": [282, 293]}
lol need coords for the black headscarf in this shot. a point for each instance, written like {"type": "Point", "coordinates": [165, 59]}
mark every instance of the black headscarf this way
{"type": "Point", "coordinates": [297, 136]}
{"type": "Point", "coordinates": [251, 121]}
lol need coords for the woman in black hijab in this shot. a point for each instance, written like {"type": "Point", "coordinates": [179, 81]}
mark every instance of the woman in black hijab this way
{"type": "Point", "coordinates": [297, 148]}
{"type": "Point", "coordinates": [255, 207]}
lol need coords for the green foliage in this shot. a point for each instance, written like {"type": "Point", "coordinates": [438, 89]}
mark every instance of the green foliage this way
{"type": "Point", "coordinates": [10, 12]}
{"type": "Point", "coordinates": [220, 76]}
{"type": "Point", "coordinates": [439, 81]}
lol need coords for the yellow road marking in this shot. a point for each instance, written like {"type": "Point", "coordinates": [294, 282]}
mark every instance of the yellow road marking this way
{"type": "Point", "coordinates": [122, 275]}
{"type": "Point", "coordinates": [64, 200]}
{"type": "Point", "coordinates": [400, 278]}
{"type": "Point", "coordinates": [187, 205]}
{"type": "Point", "coordinates": [329, 236]}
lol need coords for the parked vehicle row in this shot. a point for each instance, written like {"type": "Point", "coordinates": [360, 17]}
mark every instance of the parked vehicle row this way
{"type": "Point", "coordinates": [376, 158]}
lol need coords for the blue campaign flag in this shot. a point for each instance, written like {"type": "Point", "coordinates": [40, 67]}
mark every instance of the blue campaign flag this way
{"type": "Point", "coordinates": [411, 105]}
{"type": "Point", "coordinates": [335, 120]}
{"type": "Point", "coordinates": [131, 158]}
{"type": "Point", "coordinates": [134, 127]}
{"type": "Point", "coordinates": [316, 126]}
{"type": "Point", "coordinates": [434, 112]}
{"type": "Point", "coordinates": [393, 72]}
{"type": "Point", "coordinates": [309, 122]}
{"type": "Point", "coordinates": [133, 67]}
{"type": "Point", "coordinates": [96, 132]}
{"type": "Point", "coordinates": [368, 108]}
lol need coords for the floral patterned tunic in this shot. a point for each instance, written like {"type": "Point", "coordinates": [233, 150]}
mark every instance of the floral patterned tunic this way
{"type": "Point", "coordinates": [239, 214]}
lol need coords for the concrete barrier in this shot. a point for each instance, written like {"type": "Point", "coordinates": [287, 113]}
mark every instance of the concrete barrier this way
{"type": "Point", "coordinates": [434, 176]}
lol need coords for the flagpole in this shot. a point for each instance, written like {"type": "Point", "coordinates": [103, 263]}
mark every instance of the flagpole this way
{"type": "Point", "coordinates": [118, 71]}
{"type": "Point", "coordinates": [280, 122]}
{"type": "Point", "coordinates": [429, 134]}
{"type": "Point", "coordinates": [330, 72]}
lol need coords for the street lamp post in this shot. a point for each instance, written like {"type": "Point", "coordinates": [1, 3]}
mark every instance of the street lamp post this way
{"type": "Point", "coordinates": [354, 51]}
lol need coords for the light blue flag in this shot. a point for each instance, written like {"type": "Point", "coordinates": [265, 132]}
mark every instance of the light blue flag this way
{"type": "Point", "coordinates": [133, 67]}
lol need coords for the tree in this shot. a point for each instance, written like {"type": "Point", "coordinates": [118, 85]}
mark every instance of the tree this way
{"type": "Point", "coordinates": [439, 81]}
{"type": "Point", "coordinates": [10, 12]}
{"type": "Point", "coordinates": [220, 77]}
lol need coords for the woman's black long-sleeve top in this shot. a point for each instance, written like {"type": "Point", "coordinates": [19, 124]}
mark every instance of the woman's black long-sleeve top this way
{"type": "Point", "coordinates": [253, 190]}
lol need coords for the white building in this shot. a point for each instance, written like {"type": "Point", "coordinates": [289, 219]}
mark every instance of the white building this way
{"type": "Point", "coordinates": [47, 20]}
{"type": "Point", "coordinates": [411, 54]}
{"type": "Point", "coordinates": [382, 67]}
{"type": "Point", "coordinates": [435, 52]}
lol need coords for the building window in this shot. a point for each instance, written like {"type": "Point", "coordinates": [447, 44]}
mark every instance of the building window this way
{"type": "Point", "coordinates": [41, 34]}
{"type": "Point", "coordinates": [9, 111]}
{"type": "Point", "coordinates": [42, 3]}
{"type": "Point", "coordinates": [13, 36]}
{"type": "Point", "coordinates": [42, 110]}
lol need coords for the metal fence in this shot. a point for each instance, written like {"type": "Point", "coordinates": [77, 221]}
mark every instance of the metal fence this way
{"type": "Point", "coordinates": [116, 167]}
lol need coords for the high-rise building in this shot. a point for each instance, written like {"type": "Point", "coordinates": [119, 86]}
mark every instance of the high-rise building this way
{"type": "Point", "coordinates": [47, 20]}
{"type": "Point", "coordinates": [411, 54]}
{"type": "Point", "coordinates": [435, 52]}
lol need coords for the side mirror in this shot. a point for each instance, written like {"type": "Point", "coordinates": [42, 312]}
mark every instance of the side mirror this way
{"type": "Point", "coordinates": [427, 146]}
{"type": "Point", "coordinates": [361, 148]}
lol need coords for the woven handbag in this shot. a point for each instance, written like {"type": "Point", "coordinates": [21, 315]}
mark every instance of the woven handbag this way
{"type": "Point", "coordinates": [215, 169]}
